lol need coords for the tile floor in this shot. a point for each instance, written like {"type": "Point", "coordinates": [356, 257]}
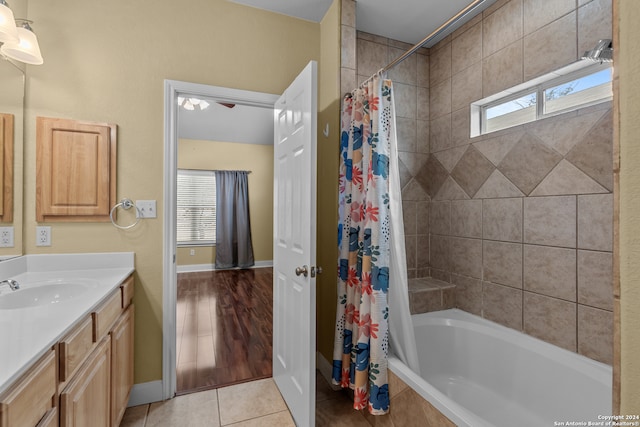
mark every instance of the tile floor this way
{"type": "Point", "coordinates": [255, 403]}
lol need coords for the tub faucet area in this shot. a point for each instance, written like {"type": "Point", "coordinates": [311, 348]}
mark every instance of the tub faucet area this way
{"type": "Point", "coordinates": [14, 285]}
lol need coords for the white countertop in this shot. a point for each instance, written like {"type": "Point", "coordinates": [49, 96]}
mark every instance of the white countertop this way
{"type": "Point", "coordinates": [27, 333]}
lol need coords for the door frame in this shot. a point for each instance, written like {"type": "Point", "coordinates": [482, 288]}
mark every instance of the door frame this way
{"type": "Point", "coordinates": [169, 247]}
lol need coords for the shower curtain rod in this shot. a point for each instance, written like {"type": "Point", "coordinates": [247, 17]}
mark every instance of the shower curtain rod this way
{"type": "Point", "coordinates": [452, 21]}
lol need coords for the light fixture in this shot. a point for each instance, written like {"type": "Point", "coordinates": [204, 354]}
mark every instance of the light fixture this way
{"type": "Point", "coordinates": [8, 30]}
{"type": "Point", "coordinates": [26, 49]}
{"type": "Point", "coordinates": [192, 103]}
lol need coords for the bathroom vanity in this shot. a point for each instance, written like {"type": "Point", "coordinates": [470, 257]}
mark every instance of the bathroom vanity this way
{"type": "Point", "coordinates": [66, 342]}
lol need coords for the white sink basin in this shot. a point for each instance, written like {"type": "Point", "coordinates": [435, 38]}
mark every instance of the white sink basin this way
{"type": "Point", "coordinates": [44, 293]}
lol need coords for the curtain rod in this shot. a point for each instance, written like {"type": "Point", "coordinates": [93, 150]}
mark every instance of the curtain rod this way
{"type": "Point", "coordinates": [452, 21]}
{"type": "Point", "coordinates": [214, 170]}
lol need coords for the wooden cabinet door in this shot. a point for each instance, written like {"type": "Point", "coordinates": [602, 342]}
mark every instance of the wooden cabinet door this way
{"type": "Point", "coordinates": [86, 401]}
{"type": "Point", "coordinates": [50, 419]}
{"type": "Point", "coordinates": [6, 167]}
{"type": "Point", "coordinates": [75, 170]}
{"type": "Point", "coordinates": [29, 400]}
{"type": "Point", "coordinates": [121, 365]}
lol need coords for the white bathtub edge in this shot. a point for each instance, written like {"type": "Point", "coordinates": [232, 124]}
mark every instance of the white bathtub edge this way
{"type": "Point", "coordinates": [461, 417]}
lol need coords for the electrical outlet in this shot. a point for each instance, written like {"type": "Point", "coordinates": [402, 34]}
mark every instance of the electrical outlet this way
{"type": "Point", "coordinates": [192, 252]}
{"type": "Point", "coordinates": [43, 236]}
{"type": "Point", "coordinates": [146, 209]}
{"type": "Point", "coordinates": [6, 237]}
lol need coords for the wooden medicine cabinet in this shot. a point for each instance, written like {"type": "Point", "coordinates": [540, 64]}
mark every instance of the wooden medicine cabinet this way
{"type": "Point", "coordinates": [6, 165]}
{"type": "Point", "coordinates": [75, 170]}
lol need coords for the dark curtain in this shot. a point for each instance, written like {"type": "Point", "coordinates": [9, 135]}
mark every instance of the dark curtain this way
{"type": "Point", "coordinates": [233, 228]}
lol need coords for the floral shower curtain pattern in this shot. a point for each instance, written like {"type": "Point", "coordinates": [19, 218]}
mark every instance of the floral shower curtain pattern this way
{"type": "Point", "coordinates": [361, 336]}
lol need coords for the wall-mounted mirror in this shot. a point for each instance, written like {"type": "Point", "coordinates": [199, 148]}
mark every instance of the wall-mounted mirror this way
{"type": "Point", "coordinates": [11, 143]}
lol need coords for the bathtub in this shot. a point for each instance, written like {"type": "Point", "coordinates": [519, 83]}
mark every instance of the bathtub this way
{"type": "Point", "coordinates": [478, 373]}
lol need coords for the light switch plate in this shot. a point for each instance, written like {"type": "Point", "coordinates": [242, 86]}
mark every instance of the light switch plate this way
{"type": "Point", "coordinates": [146, 209]}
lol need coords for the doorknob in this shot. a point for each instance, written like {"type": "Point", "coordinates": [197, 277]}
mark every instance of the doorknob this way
{"type": "Point", "coordinates": [302, 271]}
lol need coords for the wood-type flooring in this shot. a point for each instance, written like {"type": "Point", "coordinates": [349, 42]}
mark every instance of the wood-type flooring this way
{"type": "Point", "coordinates": [224, 328]}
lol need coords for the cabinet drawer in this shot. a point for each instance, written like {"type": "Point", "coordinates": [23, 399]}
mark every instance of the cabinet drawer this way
{"type": "Point", "coordinates": [127, 292]}
{"type": "Point", "coordinates": [106, 314]}
{"type": "Point", "coordinates": [50, 419]}
{"type": "Point", "coordinates": [29, 400]}
{"type": "Point", "coordinates": [75, 347]}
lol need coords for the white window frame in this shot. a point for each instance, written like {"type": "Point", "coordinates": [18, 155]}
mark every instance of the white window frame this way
{"type": "Point", "coordinates": [195, 172]}
{"type": "Point", "coordinates": [539, 86]}
{"type": "Point", "coordinates": [508, 98]}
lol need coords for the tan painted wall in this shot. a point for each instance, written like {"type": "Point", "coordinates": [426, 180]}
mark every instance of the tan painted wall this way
{"type": "Point", "coordinates": [328, 155]}
{"type": "Point", "coordinates": [12, 77]}
{"type": "Point", "coordinates": [628, 70]}
{"type": "Point", "coordinates": [106, 61]}
{"type": "Point", "coordinates": [202, 255]}
{"type": "Point", "coordinates": [209, 155]}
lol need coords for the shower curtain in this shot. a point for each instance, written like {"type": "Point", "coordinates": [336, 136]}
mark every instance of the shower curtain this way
{"type": "Point", "coordinates": [371, 248]}
{"type": "Point", "coordinates": [233, 227]}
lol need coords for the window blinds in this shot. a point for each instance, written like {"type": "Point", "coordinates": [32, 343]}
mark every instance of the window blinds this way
{"type": "Point", "coordinates": [196, 215]}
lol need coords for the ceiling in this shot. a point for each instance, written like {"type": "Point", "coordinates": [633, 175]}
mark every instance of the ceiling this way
{"type": "Point", "coordinates": [242, 123]}
{"type": "Point", "coordinates": [405, 20]}
{"type": "Point", "coordinates": [409, 21]}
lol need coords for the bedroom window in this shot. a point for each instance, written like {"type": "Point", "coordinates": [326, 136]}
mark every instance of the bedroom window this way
{"type": "Point", "coordinates": [196, 212]}
{"type": "Point", "coordinates": [565, 90]}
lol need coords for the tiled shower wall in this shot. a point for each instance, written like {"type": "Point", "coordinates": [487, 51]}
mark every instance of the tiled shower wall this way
{"type": "Point", "coordinates": [520, 220]}
{"type": "Point", "coordinates": [411, 96]}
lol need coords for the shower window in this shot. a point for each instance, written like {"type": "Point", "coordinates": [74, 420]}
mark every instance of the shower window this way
{"type": "Point", "coordinates": [196, 211]}
{"type": "Point", "coordinates": [576, 86]}
{"type": "Point", "coordinates": [510, 113]}
{"type": "Point", "coordinates": [587, 89]}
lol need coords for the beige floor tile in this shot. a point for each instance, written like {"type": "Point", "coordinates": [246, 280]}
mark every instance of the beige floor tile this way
{"type": "Point", "coordinates": [249, 400]}
{"type": "Point", "coordinates": [193, 410]}
{"type": "Point", "coordinates": [134, 416]}
{"type": "Point", "coordinates": [279, 419]}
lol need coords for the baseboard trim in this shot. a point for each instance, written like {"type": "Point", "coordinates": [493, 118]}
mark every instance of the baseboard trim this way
{"type": "Point", "coordinates": [326, 369]}
{"type": "Point", "coordinates": [144, 393]}
{"type": "Point", "coordinates": [211, 267]}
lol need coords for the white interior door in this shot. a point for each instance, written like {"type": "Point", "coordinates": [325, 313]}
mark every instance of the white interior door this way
{"type": "Point", "coordinates": [294, 245]}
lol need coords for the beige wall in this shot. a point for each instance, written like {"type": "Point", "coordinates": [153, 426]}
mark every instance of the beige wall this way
{"type": "Point", "coordinates": [202, 255]}
{"type": "Point", "coordinates": [106, 61]}
{"type": "Point", "coordinates": [628, 73]}
{"type": "Point", "coordinates": [12, 79]}
{"type": "Point", "coordinates": [328, 154]}
{"type": "Point", "coordinates": [210, 155]}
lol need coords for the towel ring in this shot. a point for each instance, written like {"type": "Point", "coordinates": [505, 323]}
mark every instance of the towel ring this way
{"type": "Point", "coordinates": [125, 204]}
